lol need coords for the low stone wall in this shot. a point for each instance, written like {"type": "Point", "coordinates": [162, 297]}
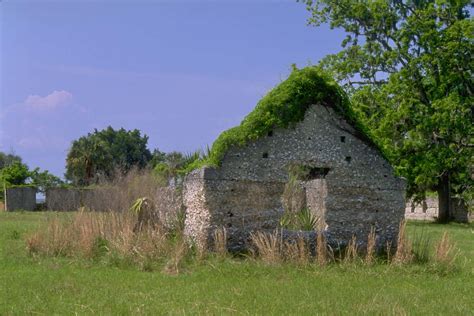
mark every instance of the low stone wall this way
{"type": "Point", "coordinates": [63, 199]}
{"type": "Point", "coordinates": [428, 210]}
{"type": "Point", "coordinates": [20, 198]}
{"type": "Point", "coordinates": [168, 201]}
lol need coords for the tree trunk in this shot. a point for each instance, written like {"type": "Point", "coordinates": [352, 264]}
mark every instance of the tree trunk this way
{"type": "Point", "coordinates": [444, 198]}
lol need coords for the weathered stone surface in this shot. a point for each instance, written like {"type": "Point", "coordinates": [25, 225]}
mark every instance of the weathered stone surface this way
{"type": "Point", "coordinates": [356, 191]}
{"type": "Point", "coordinates": [167, 201]}
{"type": "Point", "coordinates": [63, 199]}
{"type": "Point", "coordinates": [428, 210]}
{"type": "Point", "coordinates": [20, 198]}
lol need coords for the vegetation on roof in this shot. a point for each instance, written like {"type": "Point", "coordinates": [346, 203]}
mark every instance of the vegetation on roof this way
{"type": "Point", "coordinates": [283, 107]}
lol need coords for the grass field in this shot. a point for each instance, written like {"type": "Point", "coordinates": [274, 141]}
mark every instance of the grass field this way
{"type": "Point", "coordinates": [46, 286]}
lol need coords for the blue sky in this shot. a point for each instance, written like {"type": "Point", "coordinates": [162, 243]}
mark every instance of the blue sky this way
{"type": "Point", "coordinates": [180, 71]}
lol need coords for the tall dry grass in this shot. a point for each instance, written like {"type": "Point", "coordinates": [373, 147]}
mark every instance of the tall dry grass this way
{"type": "Point", "coordinates": [271, 248]}
{"type": "Point", "coordinates": [106, 235]}
{"type": "Point", "coordinates": [445, 251]}
{"type": "Point", "coordinates": [404, 253]}
{"type": "Point", "coordinates": [352, 251]}
{"type": "Point", "coordinates": [371, 244]}
{"type": "Point", "coordinates": [267, 246]}
{"type": "Point", "coordinates": [220, 242]}
{"type": "Point", "coordinates": [322, 254]}
{"type": "Point", "coordinates": [297, 251]}
{"type": "Point", "coordinates": [93, 235]}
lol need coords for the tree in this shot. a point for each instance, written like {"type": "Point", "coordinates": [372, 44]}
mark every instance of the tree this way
{"type": "Point", "coordinates": [103, 153]}
{"type": "Point", "coordinates": [8, 159]}
{"type": "Point", "coordinates": [407, 66]}
{"type": "Point", "coordinates": [44, 180]}
{"type": "Point", "coordinates": [16, 173]}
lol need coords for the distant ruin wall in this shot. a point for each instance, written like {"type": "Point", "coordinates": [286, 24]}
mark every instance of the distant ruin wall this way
{"type": "Point", "coordinates": [168, 201]}
{"type": "Point", "coordinates": [428, 210]}
{"type": "Point", "coordinates": [20, 198]}
{"type": "Point", "coordinates": [63, 199]}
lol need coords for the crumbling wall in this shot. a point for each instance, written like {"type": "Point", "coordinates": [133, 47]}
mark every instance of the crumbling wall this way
{"type": "Point", "coordinates": [63, 199]}
{"type": "Point", "coordinates": [316, 195]}
{"type": "Point", "coordinates": [20, 198]}
{"type": "Point", "coordinates": [239, 206]}
{"type": "Point", "coordinates": [428, 210]}
{"type": "Point", "coordinates": [198, 214]}
{"type": "Point", "coordinates": [168, 201]}
{"type": "Point", "coordinates": [362, 190]}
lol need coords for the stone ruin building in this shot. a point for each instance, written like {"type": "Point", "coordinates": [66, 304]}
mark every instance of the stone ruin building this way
{"type": "Point", "coordinates": [303, 124]}
{"type": "Point", "coordinates": [348, 184]}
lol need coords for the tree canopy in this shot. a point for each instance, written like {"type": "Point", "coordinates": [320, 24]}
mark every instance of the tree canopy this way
{"type": "Point", "coordinates": [103, 153]}
{"type": "Point", "coordinates": [407, 66]}
{"type": "Point", "coordinates": [8, 159]}
{"type": "Point", "coordinates": [13, 172]}
{"type": "Point", "coordinates": [16, 173]}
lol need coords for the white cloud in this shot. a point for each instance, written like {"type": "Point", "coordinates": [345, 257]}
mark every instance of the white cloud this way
{"type": "Point", "coordinates": [30, 142]}
{"type": "Point", "coordinates": [53, 100]}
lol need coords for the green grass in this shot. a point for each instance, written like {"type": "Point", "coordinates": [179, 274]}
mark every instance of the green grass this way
{"type": "Point", "coordinates": [65, 286]}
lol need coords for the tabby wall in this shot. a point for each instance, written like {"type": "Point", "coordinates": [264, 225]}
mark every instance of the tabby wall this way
{"type": "Point", "coordinates": [168, 201]}
{"type": "Point", "coordinates": [428, 210]}
{"type": "Point", "coordinates": [244, 193]}
{"type": "Point", "coordinates": [20, 198]}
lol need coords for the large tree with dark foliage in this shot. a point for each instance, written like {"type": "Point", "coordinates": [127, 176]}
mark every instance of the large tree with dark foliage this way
{"type": "Point", "coordinates": [104, 153]}
{"type": "Point", "coordinates": [408, 66]}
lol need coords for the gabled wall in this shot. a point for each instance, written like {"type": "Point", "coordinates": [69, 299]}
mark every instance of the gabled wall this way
{"type": "Point", "coordinates": [244, 193]}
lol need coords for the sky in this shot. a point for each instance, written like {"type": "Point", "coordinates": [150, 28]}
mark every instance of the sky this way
{"type": "Point", "coordinates": [179, 71]}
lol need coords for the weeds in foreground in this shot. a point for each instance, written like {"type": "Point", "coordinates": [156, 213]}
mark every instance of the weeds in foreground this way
{"type": "Point", "coordinates": [404, 253]}
{"type": "Point", "coordinates": [272, 249]}
{"type": "Point", "coordinates": [220, 242]}
{"type": "Point", "coordinates": [267, 246]}
{"type": "Point", "coordinates": [113, 236]}
{"type": "Point", "coordinates": [371, 244]}
{"type": "Point", "coordinates": [446, 251]}
{"type": "Point", "coordinates": [321, 249]}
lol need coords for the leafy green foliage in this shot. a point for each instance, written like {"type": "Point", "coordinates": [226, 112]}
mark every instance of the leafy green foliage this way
{"type": "Point", "coordinates": [43, 179]}
{"type": "Point", "coordinates": [15, 174]}
{"type": "Point", "coordinates": [408, 68]}
{"type": "Point", "coordinates": [301, 220]}
{"type": "Point", "coordinates": [175, 165]}
{"type": "Point", "coordinates": [284, 106]}
{"type": "Point", "coordinates": [102, 153]}
{"type": "Point", "coordinates": [138, 205]}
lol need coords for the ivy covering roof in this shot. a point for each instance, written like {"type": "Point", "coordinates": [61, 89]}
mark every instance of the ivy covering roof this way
{"type": "Point", "coordinates": [284, 106]}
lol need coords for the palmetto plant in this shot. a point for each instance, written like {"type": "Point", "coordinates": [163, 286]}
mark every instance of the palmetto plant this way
{"type": "Point", "coordinates": [139, 204]}
{"type": "Point", "coordinates": [301, 220]}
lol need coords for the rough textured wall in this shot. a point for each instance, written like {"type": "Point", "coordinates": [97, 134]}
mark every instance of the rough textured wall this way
{"type": "Point", "coordinates": [198, 214]}
{"type": "Point", "coordinates": [105, 199]}
{"type": "Point", "coordinates": [168, 201]}
{"type": "Point", "coordinates": [20, 198]}
{"type": "Point", "coordinates": [63, 199]}
{"type": "Point", "coordinates": [361, 188]}
{"type": "Point", "coordinates": [316, 194]}
{"type": "Point", "coordinates": [428, 210]}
